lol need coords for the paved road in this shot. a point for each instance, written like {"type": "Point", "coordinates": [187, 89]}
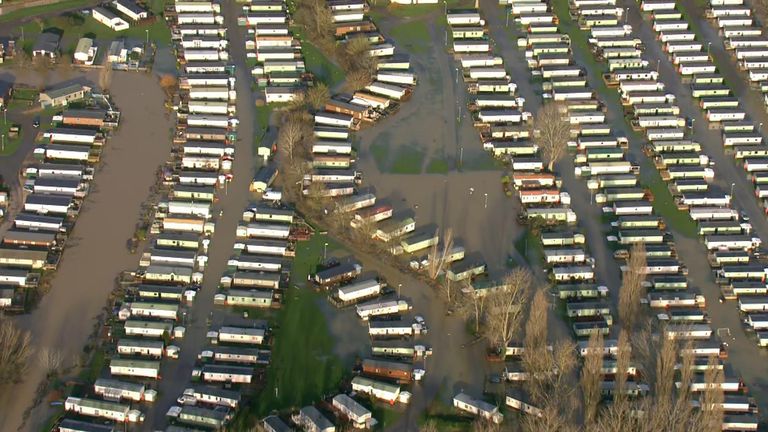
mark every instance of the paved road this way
{"type": "Point", "coordinates": [96, 251]}
{"type": "Point", "coordinates": [743, 349]}
{"type": "Point", "coordinates": [177, 374]}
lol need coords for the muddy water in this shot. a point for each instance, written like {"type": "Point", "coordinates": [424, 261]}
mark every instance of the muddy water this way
{"type": "Point", "coordinates": [96, 252]}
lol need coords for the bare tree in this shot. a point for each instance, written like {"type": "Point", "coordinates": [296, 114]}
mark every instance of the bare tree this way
{"type": "Point", "coordinates": [105, 78]}
{"type": "Point", "coordinates": [551, 133]}
{"type": "Point", "coordinates": [15, 351]}
{"type": "Point", "coordinates": [711, 400]}
{"type": "Point", "coordinates": [536, 357]}
{"type": "Point", "coordinates": [475, 308]}
{"type": "Point", "coordinates": [293, 132]}
{"type": "Point", "coordinates": [632, 287]}
{"type": "Point", "coordinates": [447, 290]}
{"type": "Point", "coordinates": [316, 20]}
{"type": "Point", "coordinates": [318, 95]}
{"type": "Point", "coordinates": [624, 350]}
{"type": "Point", "coordinates": [665, 369]}
{"type": "Point", "coordinates": [50, 360]}
{"type": "Point", "coordinates": [592, 377]}
{"type": "Point", "coordinates": [505, 308]}
{"type": "Point", "coordinates": [357, 79]}
{"type": "Point", "coordinates": [169, 84]}
{"type": "Point", "coordinates": [429, 426]}
{"type": "Point", "coordinates": [436, 260]}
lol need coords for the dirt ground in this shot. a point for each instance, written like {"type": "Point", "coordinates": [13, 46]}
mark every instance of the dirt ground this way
{"type": "Point", "coordinates": [96, 251]}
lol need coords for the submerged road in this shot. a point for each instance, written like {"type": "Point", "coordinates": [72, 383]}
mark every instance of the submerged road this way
{"type": "Point", "coordinates": [96, 250]}
{"type": "Point", "coordinates": [177, 373]}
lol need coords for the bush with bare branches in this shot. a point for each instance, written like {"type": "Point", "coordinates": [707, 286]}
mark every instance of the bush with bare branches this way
{"type": "Point", "coordinates": [592, 377]}
{"type": "Point", "coordinates": [317, 96]}
{"type": "Point", "coordinates": [15, 351]}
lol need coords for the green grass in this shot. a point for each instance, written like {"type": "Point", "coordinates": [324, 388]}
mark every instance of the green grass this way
{"type": "Point", "coordinates": [482, 162]}
{"type": "Point", "coordinates": [380, 151]}
{"type": "Point", "coordinates": [413, 36]}
{"type": "Point", "coordinates": [27, 94]}
{"type": "Point", "coordinates": [386, 416]}
{"type": "Point", "coordinates": [665, 206]}
{"type": "Point", "coordinates": [301, 375]}
{"type": "Point", "coordinates": [39, 10]}
{"type": "Point", "coordinates": [408, 160]}
{"type": "Point", "coordinates": [159, 32]}
{"type": "Point", "coordinates": [438, 166]}
{"type": "Point", "coordinates": [97, 363]}
{"type": "Point", "coordinates": [321, 66]}
{"type": "Point", "coordinates": [529, 247]}
{"type": "Point", "coordinates": [11, 145]}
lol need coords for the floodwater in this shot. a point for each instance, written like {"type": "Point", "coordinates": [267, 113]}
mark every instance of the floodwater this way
{"type": "Point", "coordinates": [467, 201]}
{"type": "Point", "coordinates": [96, 251]}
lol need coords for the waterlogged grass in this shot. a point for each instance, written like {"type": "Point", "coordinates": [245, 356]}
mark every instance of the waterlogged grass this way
{"type": "Point", "coordinates": [303, 367]}
{"type": "Point", "coordinates": [39, 10]}
{"type": "Point", "coordinates": [408, 160]}
{"type": "Point", "coordinates": [412, 36]}
{"type": "Point", "coordinates": [438, 166]}
{"type": "Point", "coordinates": [321, 66]}
{"type": "Point", "coordinates": [9, 146]}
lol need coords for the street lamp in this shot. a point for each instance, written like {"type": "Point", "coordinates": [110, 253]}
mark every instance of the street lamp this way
{"type": "Point", "coordinates": [398, 290]}
{"type": "Point", "coordinates": [325, 250]}
{"type": "Point", "coordinates": [732, 185]}
{"type": "Point", "coordinates": [486, 200]}
{"type": "Point", "coordinates": [709, 46]}
{"type": "Point", "coordinates": [507, 14]}
{"type": "Point", "coordinates": [147, 32]}
{"type": "Point", "coordinates": [760, 127]}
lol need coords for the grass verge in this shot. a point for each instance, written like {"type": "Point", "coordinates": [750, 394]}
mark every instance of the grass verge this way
{"type": "Point", "coordinates": [9, 146]}
{"type": "Point", "coordinates": [321, 66]}
{"type": "Point", "coordinates": [438, 166]}
{"type": "Point", "coordinates": [413, 36]}
{"type": "Point", "coordinates": [408, 160]}
{"type": "Point", "coordinates": [39, 10]}
{"type": "Point", "coordinates": [296, 378]}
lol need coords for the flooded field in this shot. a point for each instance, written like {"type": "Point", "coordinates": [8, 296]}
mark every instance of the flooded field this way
{"type": "Point", "coordinates": [96, 250]}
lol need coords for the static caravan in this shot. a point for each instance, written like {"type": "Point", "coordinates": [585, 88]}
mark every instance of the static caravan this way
{"type": "Point", "coordinates": [258, 263]}
{"type": "Point", "coordinates": [180, 275]}
{"type": "Point", "coordinates": [135, 368]}
{"type": "Point", "coordinates": [256, 279]}
{"type": "Point", "coordinates": [116, 390]}
{"type": "Point", "coordinates": [165, 311]}
{"type": "Point", "coordinates": [241, 335]}
{"type": "Point", "coordinates": [359, 290]}
{"type": "Point", "coordinates": [249, 298]}
{"type": "Point", "coordinates": [226, 374]}
{"type": "Point", "coordinates": [389, 328]}
{"type": "Point", "coordinates": [141, 347]}
{"type": "Point", "coordinates": [103, 409]}
{"type": "Point", "coordinates": [471, 46]}
{"type": "Point", "coordinates": [156, 329]}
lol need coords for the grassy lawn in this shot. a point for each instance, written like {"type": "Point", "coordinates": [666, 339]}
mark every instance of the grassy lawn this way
{"type": "Point", "coordinates": [408, 160]}
{"type": "Point", "coordinates": [296, 378]}
{"type": "Point", "coordinates": [413, 36]}
{"type": "Point", "coordinates": [385, 415]}
{"type": "Point", "coordinates": [438, 166]}
{"type": "Point", "coordinates": [482, 162]}
{"type": "Point", "coordinates": [97, 362]}
{"type": "Point", "coordinates": [11, 145]}
{"type": "Point", "coordinates": [380, 151]}
{"type": "Point", "coordinates": [38, 10]}
{"type": "Point", "coordinates": [530, 248]}
{"type": "Point", "coordinates": [72, 31]}
{"type": "Point", "coordinates": [321, 66]}
{"type": "Point", "coordinates": [664, 205]}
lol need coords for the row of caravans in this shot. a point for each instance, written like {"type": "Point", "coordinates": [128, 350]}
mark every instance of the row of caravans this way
{"type": "Point", "coordinates": [565, 253]}
{"type": "Point", "coordinates": [680, 159]}
{"type": "Point", "coordinates": [55, 188]}
{"type": "Point", "coordinates": [729, 240]}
